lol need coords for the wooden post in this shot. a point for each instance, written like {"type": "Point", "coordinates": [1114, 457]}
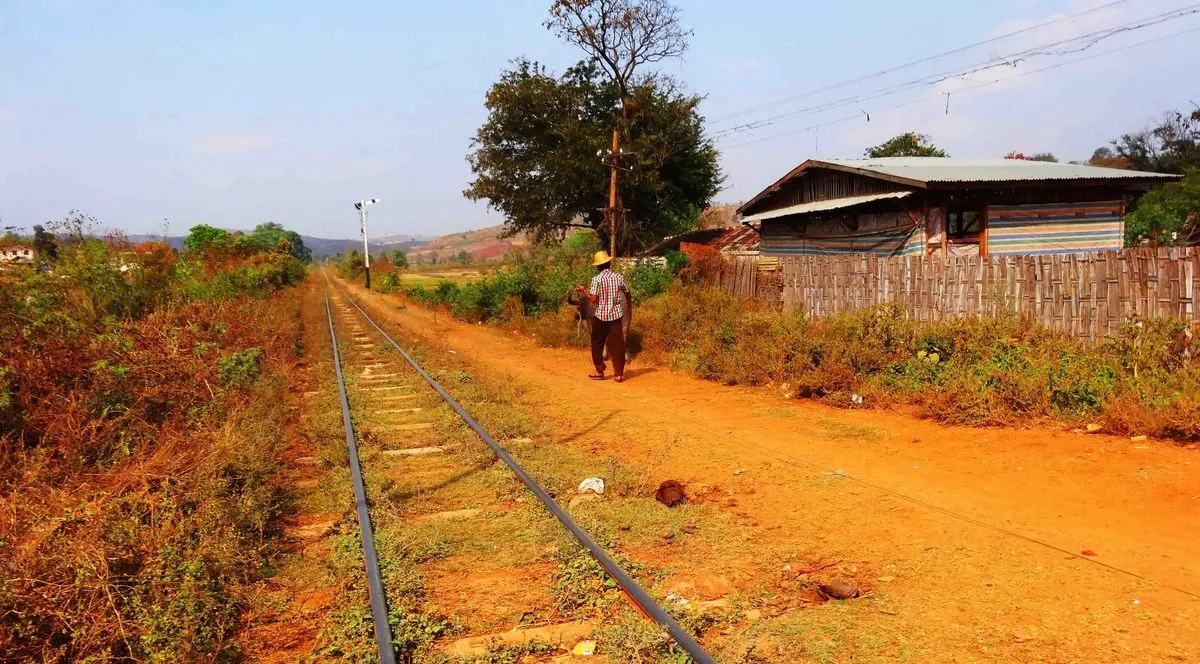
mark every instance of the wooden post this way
{"type": "Point", "coordinates": [983, 231]}
{"type": "Point", "coordinates": [612, 194]}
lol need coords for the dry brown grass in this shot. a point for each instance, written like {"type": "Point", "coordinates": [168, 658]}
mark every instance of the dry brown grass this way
{"type": "Point", "coordinates": [137, 452]}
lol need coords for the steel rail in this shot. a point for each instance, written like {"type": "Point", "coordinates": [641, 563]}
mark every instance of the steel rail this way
{"type": "Point", "coordinates": [379, 612]}
{"type": "Point", "coordinates": [640, 597]}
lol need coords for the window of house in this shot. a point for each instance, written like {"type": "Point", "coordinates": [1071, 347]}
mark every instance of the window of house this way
{"type": "Point", "coordinates": [963, 224]}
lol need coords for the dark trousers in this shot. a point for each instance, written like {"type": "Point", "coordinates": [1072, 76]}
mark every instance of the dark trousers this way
{"type": "Point", "coordinates": [613, 334]}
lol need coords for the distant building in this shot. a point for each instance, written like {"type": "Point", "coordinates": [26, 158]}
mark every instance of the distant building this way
{"type": "Point", "coordinates": [933, 206]}
{"type": "Point", "coordinates": [15, 253]}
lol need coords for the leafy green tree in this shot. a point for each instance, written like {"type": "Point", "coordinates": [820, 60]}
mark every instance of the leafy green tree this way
{"type": "Point", "coordinates": [910, 144]}
{"type": "Point", "coordinates": [400, 258]}
{"type": "Point", "coordinates": [44, 243]}
{"type": "Point", "coordinates": [242, 244]}
{"type": "Point", "coordinates": [272, 236]}
{"type": "Point", "coordinates": [1167, 214]}
{"type": "Point", "coordinates": [1171, 146]}
{"type": "Point", "coordinates": [353, 265]}
{"type": "Point", "coordinates": [203, 236]}
{"type": "Point", "coordinates": [463, 257]}
{"type": "Point", "coordinates": [535, 158]}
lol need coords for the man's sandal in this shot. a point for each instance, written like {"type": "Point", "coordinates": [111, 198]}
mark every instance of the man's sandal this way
{"type": "Point", "coordinates": [596, 376]}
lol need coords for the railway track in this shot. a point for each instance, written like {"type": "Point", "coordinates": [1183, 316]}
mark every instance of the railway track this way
{"type": "Point", "coordinates": [411, 476]}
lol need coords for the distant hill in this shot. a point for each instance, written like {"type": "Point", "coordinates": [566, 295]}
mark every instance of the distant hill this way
{"type": "Point", "coordinates": [322, 247]}
{"type": "Point", "coordinates": [483, 244]}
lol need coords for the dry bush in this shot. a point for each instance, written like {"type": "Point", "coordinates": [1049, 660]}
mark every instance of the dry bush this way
{"type": "Point", "coordinates": [138, 433]}
{"type": "Point", "coordinates": [557, 329]}
{"type": "Point", "coordinates": [982, 371]}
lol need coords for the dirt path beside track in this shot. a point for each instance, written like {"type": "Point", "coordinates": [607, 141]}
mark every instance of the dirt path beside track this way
{"type": "Point", "coordinates": [976, 535]}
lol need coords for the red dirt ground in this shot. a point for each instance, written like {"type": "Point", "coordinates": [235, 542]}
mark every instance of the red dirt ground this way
{"type": "Point", "coordinates": [976, 534]}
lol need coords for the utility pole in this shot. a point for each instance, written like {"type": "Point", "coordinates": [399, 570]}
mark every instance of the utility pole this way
{"type": "Point", "coordinates": [612, 193]}
{"type": "Point", "coordinates": [361, 206]}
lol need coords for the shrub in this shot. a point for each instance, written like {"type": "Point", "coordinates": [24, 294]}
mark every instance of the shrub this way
{"type": "Point", "coordinates": [646, 280]}
{"type": "Point", "coordinates": [389, 282]}
{"type": "Point", "coordinates": [139, 499]}
{"type": "Point", "coordinates": [239, 366]}
{"type": "Point", "coordinates": [982, 371]}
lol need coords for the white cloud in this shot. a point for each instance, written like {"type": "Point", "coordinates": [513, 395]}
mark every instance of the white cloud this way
{"type": "Point", "coordinates": [9, 113]}
{"type": "Point", "coordinates": [230, 143]}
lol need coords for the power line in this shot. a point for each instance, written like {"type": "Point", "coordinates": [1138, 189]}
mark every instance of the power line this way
{"type": "Point", "coordinates": [1007, 60]}
{"type": "Point", "coordinates": [966, 89]}
{"type": "Point", "coordinates": [914, 63]}
{"type": "Point", "coordinates": [1088, 40]}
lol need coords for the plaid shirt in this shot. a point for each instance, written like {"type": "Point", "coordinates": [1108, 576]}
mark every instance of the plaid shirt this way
{"type": "Point", "coordinates": [607, 287]}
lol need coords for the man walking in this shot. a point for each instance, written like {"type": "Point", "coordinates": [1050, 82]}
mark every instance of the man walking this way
{"type": "Point", "coordinates": [607, 293]}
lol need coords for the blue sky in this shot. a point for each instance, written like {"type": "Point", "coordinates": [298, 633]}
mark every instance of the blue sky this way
{"type": "Point", "coordinates": [232, 113]}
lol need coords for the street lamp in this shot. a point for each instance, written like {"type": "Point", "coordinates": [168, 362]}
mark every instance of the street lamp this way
{"type": "Point", "coordinates": [361, 206]}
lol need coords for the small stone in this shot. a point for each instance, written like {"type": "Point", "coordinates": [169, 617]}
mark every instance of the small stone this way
{"type": "Point", "coordinates": [886, 579]}
{"type": "Point", "coordinates": [689, 528]}
{"type": "Point", "coordinates": [668, 535]}
{"type": "Point", "coordinates": [1138, 439]}
{"type": "Point", "coordinates": [839, 588]}
{"type": "Point", "coordinates": [625, 526]}
{"type": "Point", "coordinates": [753, 614]}
{"type": "Point", "coordinates": [670, 493]}
{"type": "Point", "coordinates": [1024, 634]}
{"type": "Point", "coordinates": [1094, 428]}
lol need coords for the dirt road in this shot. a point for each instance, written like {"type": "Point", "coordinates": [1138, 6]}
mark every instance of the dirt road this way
{"type": "Point", "coordinates": [976, 536]}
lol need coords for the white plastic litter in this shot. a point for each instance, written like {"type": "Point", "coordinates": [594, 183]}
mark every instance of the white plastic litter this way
{"type": "Point", "coordinates": [593, 485]}
{"type": "Point", "coordinates": [676, 599]}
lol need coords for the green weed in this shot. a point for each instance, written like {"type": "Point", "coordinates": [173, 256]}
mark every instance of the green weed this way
{"type": "Point", "coordinates": [240, 366]}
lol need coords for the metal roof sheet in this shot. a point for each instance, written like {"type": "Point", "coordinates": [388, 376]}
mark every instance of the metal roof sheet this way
{"type": "Point", "coordinates": [822, 206]}
{"type": "Point", "coordinates": [741, 237]}
{"type": "Point", "coordinates": [948, 169]}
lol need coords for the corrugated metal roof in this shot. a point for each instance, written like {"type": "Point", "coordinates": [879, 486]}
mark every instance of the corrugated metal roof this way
{"type": "Point", "coordinates": [822, 206]}
{"type": "Point", "coordinates": [948, 169]}
{"type": "Point", "coordinates": [733, 238]}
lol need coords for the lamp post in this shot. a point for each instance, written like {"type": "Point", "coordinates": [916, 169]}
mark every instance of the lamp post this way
{"type": "Point", "coordinates": [361, 206]}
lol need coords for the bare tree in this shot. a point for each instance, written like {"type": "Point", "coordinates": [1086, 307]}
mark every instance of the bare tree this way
{"type": "Point", "coordinates": [622, 35]}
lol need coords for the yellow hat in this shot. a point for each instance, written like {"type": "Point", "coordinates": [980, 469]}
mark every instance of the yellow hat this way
{"type": "Point", "coordinates": [601, 258]}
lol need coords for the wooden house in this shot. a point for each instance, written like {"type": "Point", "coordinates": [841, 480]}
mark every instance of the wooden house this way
{"type": "Point", "coordinates": [942, 206]}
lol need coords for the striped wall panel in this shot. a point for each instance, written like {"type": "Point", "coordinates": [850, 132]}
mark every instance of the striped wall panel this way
{"type": "Point", "coordinates": [1054, 229]}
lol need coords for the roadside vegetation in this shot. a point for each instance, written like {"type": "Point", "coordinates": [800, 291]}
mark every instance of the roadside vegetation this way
{"type": "Point", "coordinates": [530, 291]}
{"type": "Point", "coordinates": [986, 371]}
{"type": "Point", "coordinates": [142, 403]}
{"type": "Point", "coordinates": [989, 371]}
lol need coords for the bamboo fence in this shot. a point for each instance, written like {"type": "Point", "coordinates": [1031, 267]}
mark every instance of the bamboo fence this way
{"type": "Point", "coordinates": [1088, 296]}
